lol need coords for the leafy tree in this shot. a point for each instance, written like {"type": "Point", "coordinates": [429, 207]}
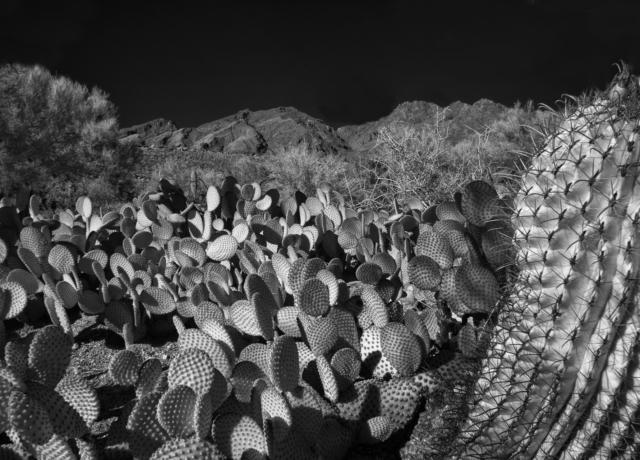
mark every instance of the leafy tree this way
{"type": "Point", "coordinates": [61, 139]}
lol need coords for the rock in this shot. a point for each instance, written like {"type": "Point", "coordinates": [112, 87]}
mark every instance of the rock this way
{"type": "Point", "coordinates": [132, 139]}
{"type": "Point", "coordinates": [149, 129]}
{"type": "Point", "coordinates": [247, 140]}
{"type": "Point", "coordinates": [171, 139]}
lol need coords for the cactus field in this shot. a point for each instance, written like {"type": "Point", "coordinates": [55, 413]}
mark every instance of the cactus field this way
{"type": "Point", "coordinates": [236, 322]}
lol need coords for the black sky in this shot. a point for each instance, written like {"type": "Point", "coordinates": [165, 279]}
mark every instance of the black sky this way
{"type": "Point", "coordinates": [346, 62]}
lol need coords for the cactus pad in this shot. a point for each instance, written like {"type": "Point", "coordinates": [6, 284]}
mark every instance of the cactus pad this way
{"type": "Point", "coordinates": [222, 248]}
{"type": "Point", "coordinates": [424, 272]}
{"type": "Point", "coordinates": [314, 297]}
{"type": "Point", "coordinates": [479, 202]}
{"type": "Point", "coordinates": [65, 420]}
{"type": "Point", "coordinates": [401, 347]}
{"type": "Point", "coordinates": [29, 418]}
{"type": "Point", "coordinates": [183, 449]}
{"type": "Point", "coordinates": [194, 368]}
{"type": "Point", "coordinates": [477, 287]}
{"type": "Point", "coordinates": [285, 365]}
{"type": "Point", "coordinates": [327, 378]}
{"type": "Point", "coordinates": [374, 306]}
{"type": "Point", "coordinates": [321, 334]}
{"type": "Point", "coordinates": [346, 365]}
{"type": "Point", "coordinates": [146, 434]}
{"type": "Point", "coordinates": [35, 241]}
{"type": "Point", "coordinates": [235, 433]}
{"type": "Point", "coordinates": [158, 301]}
{"type": "Point", "coordinates": [436, 247]}
{"type": "Point", "coordinates": [251, 318]}
{"type": "Point", "coordinates": [124, 367]}
{"type": "Point", "coordinates": [375, 430]}
{"type": "Point", "coordinates": [49, 355]}
{"type": "Point", "coordinates": [175, 411]}
{"type": "Point", "coordinates": [14, 299]}
{"type": "Point", "coordinates": [369, 273]}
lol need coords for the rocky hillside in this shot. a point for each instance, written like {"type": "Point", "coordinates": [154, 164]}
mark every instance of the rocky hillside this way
{"type": "Point", "coordinates": [257, 132]}
{"type": "Point", "coordinates": [245, 132]}
{"type": "Point", "coordinates": [459, 120]}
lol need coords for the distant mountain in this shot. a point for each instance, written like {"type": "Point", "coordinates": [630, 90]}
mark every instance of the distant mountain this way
{"type": "Point", "coordinates": [258, 132]}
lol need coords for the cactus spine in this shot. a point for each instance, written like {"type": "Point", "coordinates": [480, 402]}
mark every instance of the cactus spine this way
{"type": "Point", "coordinates": [565, 340]}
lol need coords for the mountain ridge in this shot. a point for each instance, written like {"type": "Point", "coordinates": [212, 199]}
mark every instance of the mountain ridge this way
{"type": "Point", "coordinates": [256, 132]}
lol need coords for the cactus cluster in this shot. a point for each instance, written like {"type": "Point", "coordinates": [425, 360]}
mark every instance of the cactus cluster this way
{"type": "Point", "coordinates": [305, 326]}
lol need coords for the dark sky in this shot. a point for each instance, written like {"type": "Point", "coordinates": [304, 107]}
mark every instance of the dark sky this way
{"type": "Point", "coordinates": [346, 62]}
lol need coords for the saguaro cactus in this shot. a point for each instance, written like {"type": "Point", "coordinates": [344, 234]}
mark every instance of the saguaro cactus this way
{"type": "Point", "coordinates": [561, 377]}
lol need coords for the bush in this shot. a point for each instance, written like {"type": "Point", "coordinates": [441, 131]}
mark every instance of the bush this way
{"type": "Point", "coordinates": [296, 167]}
{"type": "Point", "coordinates": [420, 160]}
{"type": "Point", "coordinates": [303, 168]}
{"type": "Point", "coordinates": [60, 138]}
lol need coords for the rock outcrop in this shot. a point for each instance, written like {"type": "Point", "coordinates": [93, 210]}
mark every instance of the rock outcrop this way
{"type": "Point", "coordinates": [244, 132]}
{"type": "Point", "coordinates": [149, 129]}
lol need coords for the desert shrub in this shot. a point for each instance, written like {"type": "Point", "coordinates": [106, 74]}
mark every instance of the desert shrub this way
{"type": "Point", "coordinates": [60, 138]}
{"type": "Point", "coordinates": [245, 168]}
{"type": "Point", "coordinates": [210, 170]}
{"type": "Point", "coordinates": [287, 169]}
{"type": "Point", "coordinates": [302, 168]}
{"type": "Point", "coordinates": [420, 161]}
{"type": "Point", "coordinates": [410, 161]}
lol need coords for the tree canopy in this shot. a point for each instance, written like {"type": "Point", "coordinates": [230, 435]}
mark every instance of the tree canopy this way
{"type": "Point", "coordinates": [61, 139]}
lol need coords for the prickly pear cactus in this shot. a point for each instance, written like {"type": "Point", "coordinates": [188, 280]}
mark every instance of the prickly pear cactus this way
{"type": "Point", "coordinates": [561, 379]}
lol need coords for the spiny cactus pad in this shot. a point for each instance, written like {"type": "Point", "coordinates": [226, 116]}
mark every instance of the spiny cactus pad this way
{"type": "Point", "coordinates": [65, 420]}
{"type": "Point", "coordinates": [176, 411]}
{"type": "Point", "coordinates": [146, 434]}
{"type": "Point", "coordinates": [401, 347]}
{"type": "Point", "coordinates": [124, 367]}
{"type": "Point", "coordinates": [29, 418]}
{"type": "Point", "coordinates": [424, 272]}
{"type": "Point", "coordinates": [49, 355]}
{"type": "Point", "coordinates": [477, 288]}
{"type": "Point", "coordinates": [285, 363]}
{"type": "Point", "coordinates": [183, 449]}
{"type": "Point", "coordinates": [235, 434]}
{"type": "Point", "coordinates": [314, 297]}
{"type": "Point", "coordinates": [80, 396]}
{"type": "Point", "coordinates": [194, 368]}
